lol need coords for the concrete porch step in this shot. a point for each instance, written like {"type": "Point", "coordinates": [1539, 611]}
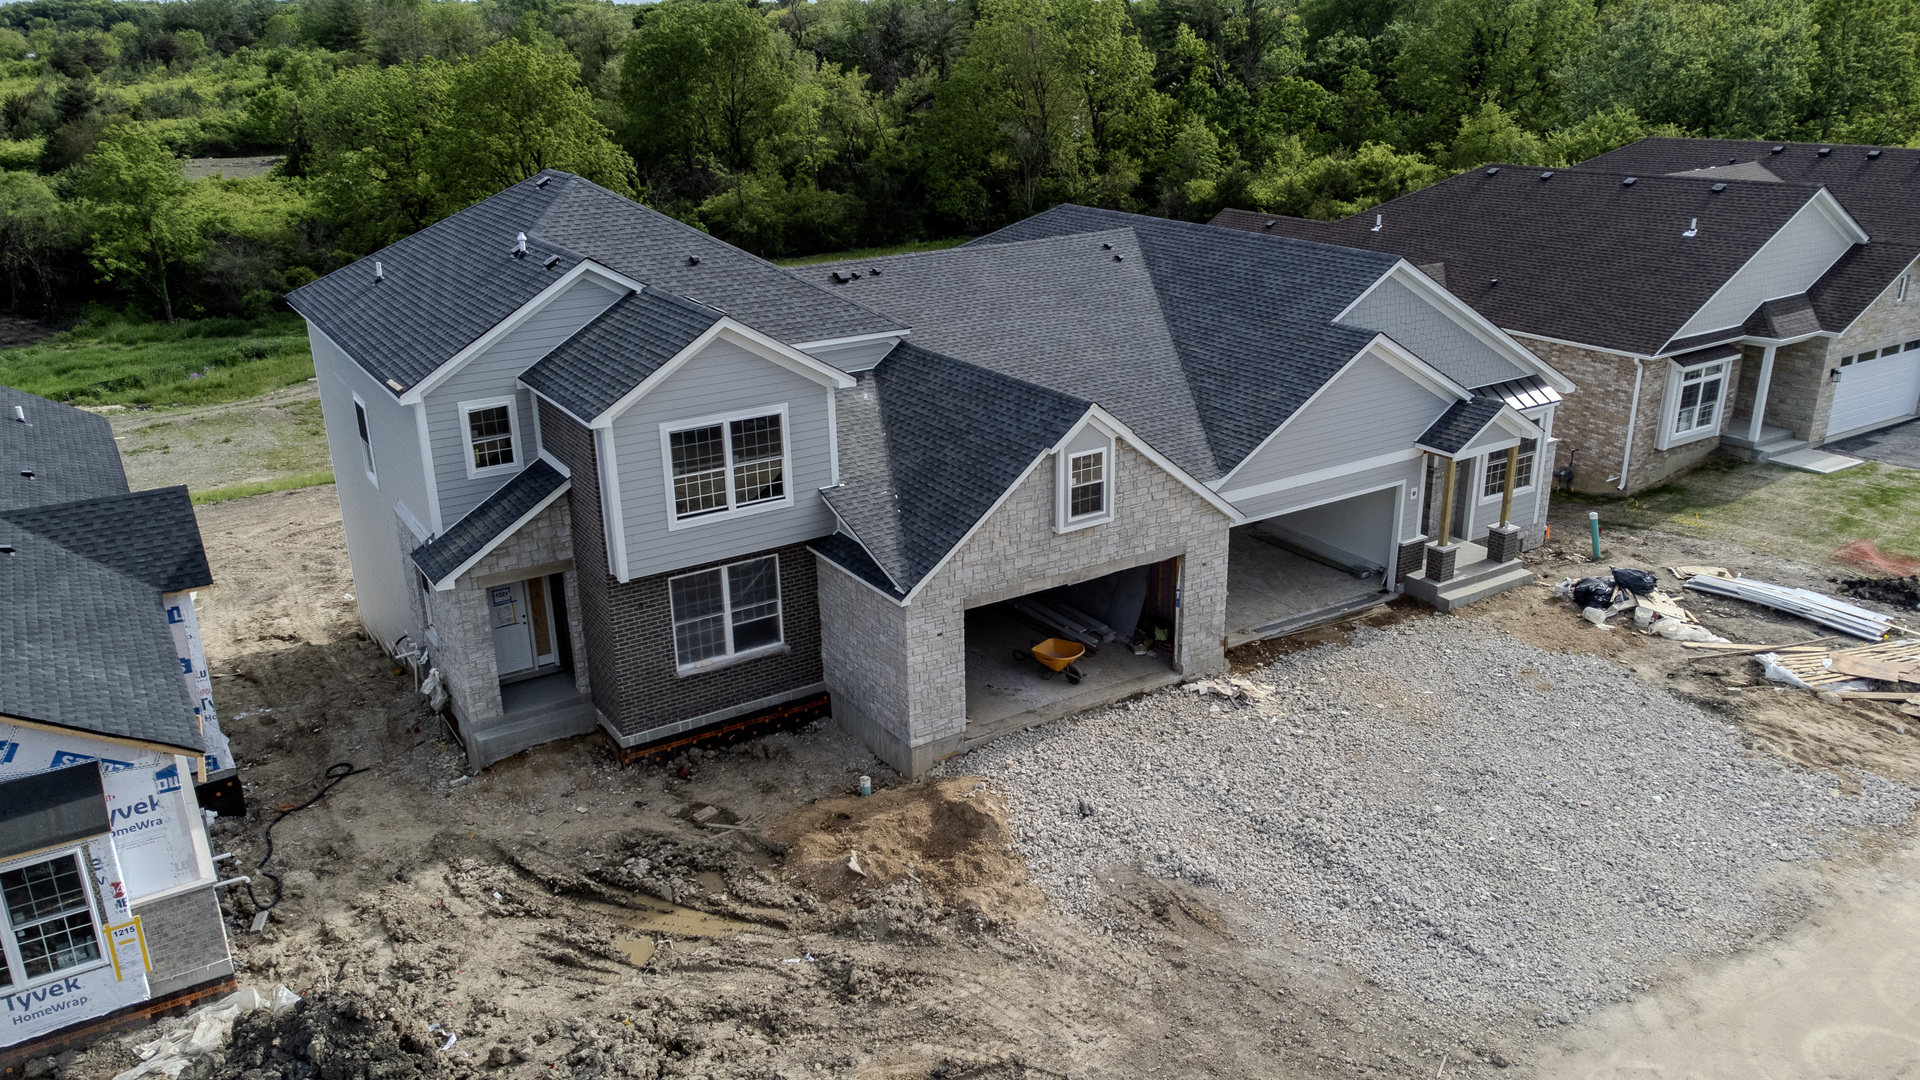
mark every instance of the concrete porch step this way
{"type": "Point", "coordinates": [1814, 461]}
{"type": "Point", "coordinates": [504, 737]}
{"type": "Point", "coordinates": [1469, 584]}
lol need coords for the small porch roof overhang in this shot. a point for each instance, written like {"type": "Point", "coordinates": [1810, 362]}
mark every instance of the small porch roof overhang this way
{"type": "Point", "coordinates": [445, 557]}
{"type": "Point", "coordinates": [1466, 429]}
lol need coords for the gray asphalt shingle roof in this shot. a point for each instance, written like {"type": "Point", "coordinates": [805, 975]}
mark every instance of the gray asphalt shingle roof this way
{"type": "Point", "coordinates": [590, 371]}
{"type": "Point", "coordinates": [1580, 257]}
{"type": "Point", "coordinates": [1877, 192]}
{"type": "Point", "coordinates": [83, 566]}
{"type": "Point", "coordinates": [928, 444]}
{"type": "Point", "coordinates": [1460, 423]}
{"type": "Point", "coordinates": [465, 538]}
{"type": "Point", "coordinates": [1200, 340]}
{"type": "Point", "coordinates": [449, 283]}
{"type": "Point", "coordinates": [69, 451]}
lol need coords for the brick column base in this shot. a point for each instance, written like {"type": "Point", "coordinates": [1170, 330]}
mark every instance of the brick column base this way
{"type": "Point", "coordinates": [1412, 555]}
{"type": "Point", "coordinates": [1440, 561]}
{"type": "Point", "coordinates": [1503, 545]}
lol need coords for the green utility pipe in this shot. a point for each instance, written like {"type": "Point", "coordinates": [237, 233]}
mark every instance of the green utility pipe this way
{"type": "Point", "coordinates": [1593, 528]}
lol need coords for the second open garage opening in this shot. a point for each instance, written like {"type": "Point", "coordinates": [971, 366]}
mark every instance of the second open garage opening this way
{"type": "Point", "coordinates": [1296, 570]}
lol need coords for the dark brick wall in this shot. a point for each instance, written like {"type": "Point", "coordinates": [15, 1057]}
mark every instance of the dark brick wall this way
{"type": "Point", "coordinates": [652, 694]}
{"type": "Point", "coordinates": [1411, 559]}
{"type": "Point", "coordinates": [629, 626]}
{"type": "Point", "coordinates": [573, 445]}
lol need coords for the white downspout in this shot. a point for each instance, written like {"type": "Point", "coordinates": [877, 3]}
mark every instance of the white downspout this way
{"type": "Point", "coordinates": [1760, 396]}
{"type": "Point", "coordinates": [1633, 417]}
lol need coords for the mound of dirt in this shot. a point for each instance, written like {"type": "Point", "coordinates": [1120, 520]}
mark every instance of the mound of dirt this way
{"type": "Point", "coordinates": [1898, 591]}
{"type": "Point", "coordinates": [949, 836]}
{"type": "Point", "coordinates": [331, 1035]}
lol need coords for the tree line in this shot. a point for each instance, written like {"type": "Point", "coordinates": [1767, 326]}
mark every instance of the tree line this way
{"type": "Point", "coordinates": [819, 125]}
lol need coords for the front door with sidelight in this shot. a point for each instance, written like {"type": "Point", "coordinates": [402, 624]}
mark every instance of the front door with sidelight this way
{"type": "Point", "coordinates": [523, 639]}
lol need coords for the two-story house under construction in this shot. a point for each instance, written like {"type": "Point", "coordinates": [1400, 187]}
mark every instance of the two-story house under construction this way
{"type": "Point", "coordinates": [603, 470]}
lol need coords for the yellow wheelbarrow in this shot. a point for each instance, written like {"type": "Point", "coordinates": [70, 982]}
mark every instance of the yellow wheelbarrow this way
{"type": "Point", "coordinates": [1055, 654]}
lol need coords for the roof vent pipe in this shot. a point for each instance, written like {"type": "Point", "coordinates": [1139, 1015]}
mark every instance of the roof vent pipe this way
{"type": "Point", "coordinates": [20, 413]}
{"type": "Point", "coordinates": [520, 244]}
{"type": "Point", "coordinates": [1693, 228]}
{"type": "Point", "coordinates": [379, 272]}
{"type": "Point", "coordinates": [1378, 221]}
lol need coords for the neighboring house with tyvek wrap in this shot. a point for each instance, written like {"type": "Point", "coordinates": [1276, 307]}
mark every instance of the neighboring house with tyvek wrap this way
{"type": "Point", "coordinates": [599, 469]}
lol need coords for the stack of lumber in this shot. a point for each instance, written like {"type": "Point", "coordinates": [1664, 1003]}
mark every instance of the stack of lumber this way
{"type": "Point", "coordinates": [1888, 661]}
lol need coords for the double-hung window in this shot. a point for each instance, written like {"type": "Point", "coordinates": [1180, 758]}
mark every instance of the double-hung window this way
{"type": "Point", "coordinates": [49, 920]}
{"type": "Point", "coordinates": [1701, 389]}
{"type": "Point", "coordinates": [1496, 482]}
{"type": "Point", "coordinates": [728, 465]}
{"type": "Point", "coordinates": [1087, 485]}
{"type": "Point", "coordinates": [725, 612]}
{"type": "Point", "coordinates": [492, 433]}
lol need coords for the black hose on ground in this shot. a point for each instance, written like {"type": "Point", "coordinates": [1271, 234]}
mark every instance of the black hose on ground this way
{"type": "Point", "coordinates": [335, 773]}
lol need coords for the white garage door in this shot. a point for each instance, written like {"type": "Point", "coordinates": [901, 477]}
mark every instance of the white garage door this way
{"type": "Point", "coordinates": [1876, 387]}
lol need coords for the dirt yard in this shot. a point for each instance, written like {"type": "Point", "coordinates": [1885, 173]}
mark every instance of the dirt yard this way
{"type": "Point", "coordinates": [275, 435]}
{"type": "Point", "coordinates": [564, 916]}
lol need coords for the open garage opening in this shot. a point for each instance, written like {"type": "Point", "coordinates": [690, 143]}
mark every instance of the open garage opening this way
{"type": "Point", "coordinates": [1300, 569]}
{"type": "Point", "coordinates": [1124, 626]}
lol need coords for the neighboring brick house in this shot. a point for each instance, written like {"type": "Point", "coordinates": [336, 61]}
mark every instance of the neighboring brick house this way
{"type": "Point", "coordinates": [1677, 281]}
{"type": "Point", "coordinates": [599, 469]}
{"type": "Point", "coordinates": [106, 722]}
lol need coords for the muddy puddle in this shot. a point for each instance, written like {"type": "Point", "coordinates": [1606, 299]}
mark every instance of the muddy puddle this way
{"type": "Point", "coordinates": [652, 919]}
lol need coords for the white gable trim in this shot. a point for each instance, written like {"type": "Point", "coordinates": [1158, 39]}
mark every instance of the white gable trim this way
{"type": "Point", "coordinates": [1038, 460]}
{"type": "Point", "coordinates": [1822, 205]}
{"type": "Point", "coordinates": [1467, 319]}
{"type": "Point", "coordinates": [612, 523]}
{"type": "Point", "coordinates": [507, 325]}
{"type": "Point", "coordinates": [856, 339]}
{"type": "Point", "coordinates": [1577, 344]}
{"type": "Point", "coordinates": [738, 333]}
{"type": "Point", "coordinates": [1383, 348]}
{"type": "Point", "coordinates": [453, 577]}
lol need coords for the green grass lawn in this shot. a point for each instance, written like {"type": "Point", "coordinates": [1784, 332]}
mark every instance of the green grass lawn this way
{"type": "Point", "coordinates": [117, 361]}
{"type": "Point", "coordinates": [1798, 515]}
{"type": "Point", "coordinates": [874, 252]}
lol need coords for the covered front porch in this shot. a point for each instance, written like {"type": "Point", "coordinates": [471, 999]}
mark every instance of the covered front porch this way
{"type": "Point", "coordinates": [1453, 571]}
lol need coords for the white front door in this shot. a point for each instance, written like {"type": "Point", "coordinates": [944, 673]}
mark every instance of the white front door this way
{"type": "Point", "coordinates": [1876, 387]}
{"type": "Point", "coordinates": [512, 627]}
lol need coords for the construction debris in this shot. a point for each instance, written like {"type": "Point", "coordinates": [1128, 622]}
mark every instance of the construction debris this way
{"type": "Point", "coordinates": [1819, 668]}
{"type": "Point", "coordinates": [1807, 604]}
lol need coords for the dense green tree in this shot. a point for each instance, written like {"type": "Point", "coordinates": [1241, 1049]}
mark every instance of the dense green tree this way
{"type": "Point", "coordinates": [1457, 54]}
{"type": "Point", "coordinates": [374, 133]}
{"type": "Point", "coordinates": [701, 82]}
{"type": "Point", "coordinates": [144, 228]}
{"type": "Point", "coordinates": [518, 109]}
{"type": "Point", "coordinates": [38, 236]}
{"type": "Point", "coordinates": [1865, 82]}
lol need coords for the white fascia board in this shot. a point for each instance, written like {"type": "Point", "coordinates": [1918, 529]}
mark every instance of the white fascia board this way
{"type": "Point", "coordinates": [1907, 269]}
{"type": "Point", "coordinates": [615, 526]}
{"type": "Point", "coordinates": [1510, 420]}
{"type": "Point", "coordinates": [1463, 315]}
{"type": "Point", "coordinates": [1331, 472]}
{"type": "Point", "coordinates": [1390, 352]}
{"type": "Point", "coordinates": [558, 465]}
{"type": "Point", "coordinates": [1100, 418]}
{"type": "Point", "coordinates": [856, 339]}
{"type": "Point", "coordinates": [447, 583]}
{"type": "Point", "coordinates": [505, 326]}
{"type": "Point", "coordinates": [1590, 347]}
{"type": "Point", "coordinates": [1822, 205]}
{"type": "Point", "coordinates": [729, 329]}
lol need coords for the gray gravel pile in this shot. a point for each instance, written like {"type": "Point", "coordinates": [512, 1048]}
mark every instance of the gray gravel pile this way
{"type": "Point", "coordinates": [1464, 818]}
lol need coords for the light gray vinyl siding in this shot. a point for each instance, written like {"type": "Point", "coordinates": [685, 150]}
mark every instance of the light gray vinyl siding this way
{"type": "Point", "coordinates": [1431, 334]}
{"type": "Point", "coordinates": [1368, 410]}
{"type": "Point", "coordinates": [723, 380]}
{"type": "Point", "coordinates": [491, 374]}
{"type": "Point", "coordinates": [1786, 265]}
{"type": "Point", "coordinates": [1406, 473]}
{"type": "Point", "coordinates": [375, 547]}
{"type": "Point", "coordinates": [1486, 511]}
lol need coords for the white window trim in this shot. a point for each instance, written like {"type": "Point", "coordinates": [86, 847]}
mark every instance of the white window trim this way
{"type": "Point", "coordinates": [1487, 463]}
{"type": "Point", "coordinates": [732, 513]}
{"type": "Point", "coordinates": [513, 432]}
{"type": "Point", "coordinates": [1670, 406]}
{"type": "Point", "coordinates": [729, 658]}
{"type": "Point", "coordinates": [1063, 488]}
{"type": "Point", "coordinates": [360, 414]}
{"type": "Point", "coordinates": [12, 946]}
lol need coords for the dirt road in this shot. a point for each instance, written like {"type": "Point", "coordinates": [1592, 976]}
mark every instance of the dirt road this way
{"type": "Point", "coordinates": [565, 916]}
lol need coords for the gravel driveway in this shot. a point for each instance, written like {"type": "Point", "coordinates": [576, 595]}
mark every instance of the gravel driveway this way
{"type": "Point", "coordinates": [1494, 829]}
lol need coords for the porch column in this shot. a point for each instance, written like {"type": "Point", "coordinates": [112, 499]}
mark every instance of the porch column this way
{"type": "Point", "coordinates": [1754, 422]}
{"type": "Point", "coordinates": [1503, 540]}
{"type": "Point", "coordinates": [1506, 494]}
{"type": "Point", "coordinates": [1446, 504]}
{"type": "Point", "coordinates": [1441, 556]}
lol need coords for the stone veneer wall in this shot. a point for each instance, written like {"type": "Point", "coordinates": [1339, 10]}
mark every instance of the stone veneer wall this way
{"type": "Point", "coordinates": [1799, 394]}
{"type": "Point", "coordinates": [904, 688]}
{"type": "Point", "coordinates": [1593, 420]}
{"type": "Point", "coordinates": [1887, 320]}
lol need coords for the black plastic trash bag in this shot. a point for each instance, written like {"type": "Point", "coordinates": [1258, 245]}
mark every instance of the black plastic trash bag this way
{"type": "Point", "coordinates": [1640, 582]}
{"type": "Point", "coordinates": [1594, 592]}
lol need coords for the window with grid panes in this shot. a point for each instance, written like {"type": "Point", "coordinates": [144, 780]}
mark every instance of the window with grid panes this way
{"type": "Point", "coordinates": [1496, 483]}
{"type": "Point", "coordinates": [490, 434]}
{"type": "Point", "coordinates": [1087, 484]}
{"type": "Point", "coordinates": [727, 466]}
{"type": "Point", "coordinates": [725, 611]}
{"type": "Point", "coordinates": [49, 919]}
{"type": "Point", "coordinates": [1700, 391]}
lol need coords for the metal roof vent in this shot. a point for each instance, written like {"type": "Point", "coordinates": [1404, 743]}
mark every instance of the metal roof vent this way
{"type": "Point", "coordinates": [1824, 151]}
{"type": "Point", "coordinates": [1548, 175]}
{"type": "Point", "coordinates": [28, 473]}
{"type": "Point", "coordinates": [1777, 150]}
{"type": "Point", "coordinates": [1630, 181]}
{"type": "Point", "coordinates": [1493, 281]}
{"type": "Point", "coordinates": [1733, 161]}
{"type": "Point", "coordinates": [6, 549]}
{"type": "Point", "coordinates": [693, 260]}
{"type": "Point", "coordinates": [1718, 188]}
{"type": "Point", "coordinates": [840, 278]}
{"type": "Point", "coordinates": [1693, 228]}
{"type": "Point", "coordinates": [1495, 171]}
{"type": "Point", "coordinates": [873, 271]}
{"type": "Point", "coordinates": [1378, 222]}
{"type": "Point", "coordinates": [1271, 222]}
{"type": "Point", "coordinates": [542, 182]}
{"type": "Point", "coordinates": [551, 259]}
{"type": "Point", "coordinates": [1873, 155]}
{"type": "Point", "coordinates": [379, 271]}
{"type": "Point", "coordinates": [1109, 247]}
{"type": "Point", "coordinates": [1118, 258]}
{"type": "Point", "coordinates": [520, 245]}
{"type": "Point", "coordinates": [20, 413]}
